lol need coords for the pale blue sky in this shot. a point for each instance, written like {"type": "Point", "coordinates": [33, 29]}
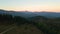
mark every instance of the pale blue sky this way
{"type": "Point", "coordinates": [33, 5]}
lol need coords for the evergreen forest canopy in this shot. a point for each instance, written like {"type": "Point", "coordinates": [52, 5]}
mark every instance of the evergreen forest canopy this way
{"type": "Point", "coordinates": [46, 25]}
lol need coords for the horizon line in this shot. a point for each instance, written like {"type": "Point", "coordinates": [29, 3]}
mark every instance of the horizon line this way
{"type": "Point", "coordinates": [27, 11]}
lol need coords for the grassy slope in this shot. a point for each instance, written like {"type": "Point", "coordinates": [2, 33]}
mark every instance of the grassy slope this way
{"type": "Point", "coordinates": [25, 29]}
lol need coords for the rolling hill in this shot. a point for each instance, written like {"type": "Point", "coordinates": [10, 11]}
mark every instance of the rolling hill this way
{"type": "Point", "coordinates": [28, 14]}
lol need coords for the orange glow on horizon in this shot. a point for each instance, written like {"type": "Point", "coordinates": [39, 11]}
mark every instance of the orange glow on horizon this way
{"type": "Point", "coordinates": [34, 8]}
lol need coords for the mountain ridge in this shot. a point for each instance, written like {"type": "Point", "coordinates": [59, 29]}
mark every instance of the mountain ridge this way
{"type": "Point", "coordinates": [27, 14]}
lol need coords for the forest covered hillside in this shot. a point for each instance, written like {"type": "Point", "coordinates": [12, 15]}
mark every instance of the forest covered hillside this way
{"type": "Point", "coordinates": [45, 25]}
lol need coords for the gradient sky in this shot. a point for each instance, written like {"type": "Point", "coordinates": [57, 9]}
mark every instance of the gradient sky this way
{"type": "Point", "coordinates": [31, 5]}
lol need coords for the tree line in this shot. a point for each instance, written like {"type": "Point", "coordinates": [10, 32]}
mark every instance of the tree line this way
{"type": "Point", "coordinates": [9, 19]}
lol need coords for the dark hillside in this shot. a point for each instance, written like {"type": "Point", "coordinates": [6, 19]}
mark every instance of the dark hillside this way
{"type": "Point", "coordinates": [35, 25]}
{"type": "Point", "coordinates": [47, 25]}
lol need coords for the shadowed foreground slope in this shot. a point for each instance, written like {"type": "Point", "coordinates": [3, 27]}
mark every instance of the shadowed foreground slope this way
{"type": "Point", "coordinates": [25, 29]}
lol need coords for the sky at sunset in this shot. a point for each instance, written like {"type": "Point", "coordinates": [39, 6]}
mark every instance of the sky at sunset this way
{"type": "Point", "coordinates": [31, 5]}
